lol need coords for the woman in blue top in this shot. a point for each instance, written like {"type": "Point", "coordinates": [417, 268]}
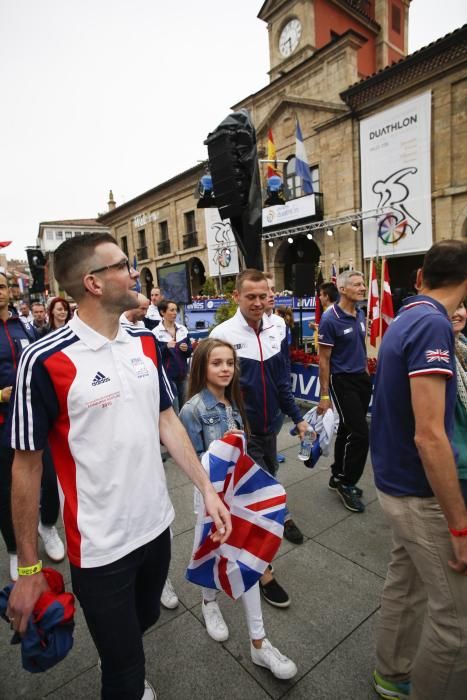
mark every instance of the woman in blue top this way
{"type": "Point", "coordinates": [215, 408]}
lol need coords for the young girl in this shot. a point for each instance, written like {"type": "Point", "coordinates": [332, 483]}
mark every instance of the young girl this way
{"type": "Point", "coordinates": [215, 408]}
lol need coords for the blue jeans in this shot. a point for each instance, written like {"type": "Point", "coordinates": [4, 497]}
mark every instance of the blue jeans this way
{"type": "Point", "coordinates": [120, 601]}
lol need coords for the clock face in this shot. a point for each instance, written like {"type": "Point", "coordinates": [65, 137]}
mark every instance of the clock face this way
{"type": "Point", "coordinates": [290, 37]}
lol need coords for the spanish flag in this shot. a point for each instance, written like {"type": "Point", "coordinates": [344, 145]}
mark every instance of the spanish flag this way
{"type": "Point", "coordinates": [272, 168]}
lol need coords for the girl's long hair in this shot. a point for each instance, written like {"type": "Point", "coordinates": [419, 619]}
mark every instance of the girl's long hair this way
{"type": "Point", "coordinates": [199, 373]}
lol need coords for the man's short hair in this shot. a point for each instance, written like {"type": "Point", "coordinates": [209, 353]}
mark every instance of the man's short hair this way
{"type": "Point", "coordinates": [72, 259]}
{"type": "Point", "coordinates": [37, 303]}
{"type": "Point", "coordinates": [445, 264]}
{"type": "Point", "coordinates": [249, 275]}
{"type": "Point", "coordinates": [344, 277]}
{"type": "Point", "coordinates": [330, 289]}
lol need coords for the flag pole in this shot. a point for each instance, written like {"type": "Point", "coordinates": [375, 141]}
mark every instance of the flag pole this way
{"type": "Point", "coordinates": [381, 292]}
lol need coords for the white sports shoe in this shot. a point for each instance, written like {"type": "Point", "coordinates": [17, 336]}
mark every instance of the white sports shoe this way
{"type": "Point", "coordinates": [269, 657]}
{"type": "Point", "coordinates": [53, 545]}
{"type": "Point", "coordinates": [149, 692]}
{"type": "Point", "coordinates": [169, 598]}
{"type": "Point", "coordinates": [215, 623]}
{"type": "Point", "coordinates": [14, 567]}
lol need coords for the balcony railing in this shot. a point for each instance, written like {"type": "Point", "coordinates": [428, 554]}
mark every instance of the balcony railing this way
{"type": "Point", "coordinates": [190, 240]}
{"type": "Point", "coordinates": [163, 247]}
{"type": "Point", "coordinates": [142, 253]}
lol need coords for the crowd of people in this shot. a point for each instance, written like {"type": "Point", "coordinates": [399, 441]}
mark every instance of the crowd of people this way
{"type": "Point", "coordinates": [123, 366]}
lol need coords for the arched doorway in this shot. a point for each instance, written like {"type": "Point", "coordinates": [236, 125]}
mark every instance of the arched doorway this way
{"type": "Point", "coordinates": [302, 250]}
{"type": "Point", "coordinates": [147, 281]}
{"type": "Point", "coordinates": [197, 275]}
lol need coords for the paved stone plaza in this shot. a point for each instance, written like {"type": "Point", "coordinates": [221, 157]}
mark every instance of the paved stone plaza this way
{"type": "Point", "coordinates": [334, 579]}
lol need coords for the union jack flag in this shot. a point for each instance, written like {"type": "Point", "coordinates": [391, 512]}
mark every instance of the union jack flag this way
{"type": "Point", "coordinates": [257, 507]}
{"type": "Point", "coordinates": [437, 356]}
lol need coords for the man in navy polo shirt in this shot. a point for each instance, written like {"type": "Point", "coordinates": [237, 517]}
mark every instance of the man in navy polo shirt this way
{"type": "Point", "coordinates": [418, 488]}
{"type": "Point", "coordinates": [343, 374]}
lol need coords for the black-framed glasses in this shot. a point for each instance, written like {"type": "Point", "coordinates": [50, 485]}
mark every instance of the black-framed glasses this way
{"type": "Point", "coordinates": [120, 265]}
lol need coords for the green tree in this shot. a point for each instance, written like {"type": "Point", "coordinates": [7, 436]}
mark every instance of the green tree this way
{"type": "Point", "coordinates": [225, 311]}
{"type": "Point", "coordinates": [209, 288]}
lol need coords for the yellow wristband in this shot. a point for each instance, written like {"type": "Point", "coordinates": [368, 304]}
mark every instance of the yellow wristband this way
{"type": "Point", "coordinates": [30, 570]}
{"type": "Point", "coordinates": [1, 397]}
{"type": "Point", "coordinates": [325, 396]}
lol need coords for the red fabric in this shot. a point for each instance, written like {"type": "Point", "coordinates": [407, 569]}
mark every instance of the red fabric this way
{"type": "Point", "coordinates": [62, 373]}
{"type": "Point", "coordinates": [56, 594]}
{"type": "Point", "coordinates": [318, 309]}
{"type": "Point", "coordinates": [3, 244]}
{"type": "Point", "coordinates": [387, 308]}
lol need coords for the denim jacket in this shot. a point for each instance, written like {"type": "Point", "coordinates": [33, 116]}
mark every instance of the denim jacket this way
{"type": "Point", "coordinates": [205, 419]}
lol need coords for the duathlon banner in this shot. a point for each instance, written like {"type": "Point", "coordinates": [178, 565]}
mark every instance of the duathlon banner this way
{"type": "Point", "coordinates": [222, 248]}
{"type": "Point", "coordinates": [396, 177]}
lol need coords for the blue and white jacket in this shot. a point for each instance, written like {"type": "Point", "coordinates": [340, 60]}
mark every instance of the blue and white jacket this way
{"type": "Point", "coordinates": [264, 376]}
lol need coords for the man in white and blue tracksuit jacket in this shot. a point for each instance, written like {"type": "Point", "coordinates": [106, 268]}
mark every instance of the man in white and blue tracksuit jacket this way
{"type": "Point", "coordinates": [264, 379]}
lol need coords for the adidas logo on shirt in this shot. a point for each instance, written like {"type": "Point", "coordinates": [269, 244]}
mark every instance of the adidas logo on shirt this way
{"type": "Point", "coordinates": [100, 379]}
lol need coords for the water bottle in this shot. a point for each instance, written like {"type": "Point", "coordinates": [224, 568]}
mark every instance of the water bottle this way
{"type": "Point", "coordinates": [306, 445]}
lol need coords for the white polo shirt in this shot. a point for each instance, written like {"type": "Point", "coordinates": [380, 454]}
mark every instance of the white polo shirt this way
{"type": "Point", "coordinates": [97, 403]}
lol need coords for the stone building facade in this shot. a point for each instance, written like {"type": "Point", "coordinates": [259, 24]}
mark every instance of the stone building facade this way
{"type": "Point", "coordinates": [330, 68]}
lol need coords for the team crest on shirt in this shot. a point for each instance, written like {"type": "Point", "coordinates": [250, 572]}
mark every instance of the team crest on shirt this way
{"type": "Point", "coordinates": [139, 367]}
{"type": "Point", "coordinates": [437, 356]}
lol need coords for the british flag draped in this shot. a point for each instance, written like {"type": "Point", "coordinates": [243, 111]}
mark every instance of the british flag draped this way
{"type": "Point", "coordinates": [257, 506]}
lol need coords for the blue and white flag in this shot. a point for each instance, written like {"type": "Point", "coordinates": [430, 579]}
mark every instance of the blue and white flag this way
{"type": "Point", "coordinates": [137, 283]}
{"type": "Point", "coordinates": [302, 169]}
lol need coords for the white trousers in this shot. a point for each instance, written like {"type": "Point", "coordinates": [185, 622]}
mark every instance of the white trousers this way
{"type": "Point", "coordinates": [252, 604]}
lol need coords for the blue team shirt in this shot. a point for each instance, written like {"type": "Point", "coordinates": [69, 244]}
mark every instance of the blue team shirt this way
{"type": "Point", "coordinates": [345, 333]}
{"type": "Point", "coordinates": [420, 341]}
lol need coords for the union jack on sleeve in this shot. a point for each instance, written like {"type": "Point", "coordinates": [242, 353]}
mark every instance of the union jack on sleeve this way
{"type": "Point", "coordinates": [256, 502]}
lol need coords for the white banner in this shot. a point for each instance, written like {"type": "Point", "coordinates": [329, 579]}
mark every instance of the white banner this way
{"type": "Point", "coordinates": [222, 248]}
{"type": "Point", "coordinates": [396, 177]}
{"type": "Point", "coordinates": [299, 208]}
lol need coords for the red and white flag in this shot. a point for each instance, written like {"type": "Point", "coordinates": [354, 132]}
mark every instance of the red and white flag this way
{"type": "Point", "coordinates": [373, 306]}
{"type": "Point", "coordinates": [387, 308]}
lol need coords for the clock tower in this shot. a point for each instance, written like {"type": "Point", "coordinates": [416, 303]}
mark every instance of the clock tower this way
{"type": "Point", "coordinates": [291, 33]}
{"type": "Point", "coordinates": [299, 28]}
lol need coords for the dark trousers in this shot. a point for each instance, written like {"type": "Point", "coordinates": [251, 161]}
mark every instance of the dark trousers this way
{"type": "Point", "coordinates": [351, 394]}
{"type": "Point", "coordinates": [263, 449]}
{"type": "Point", "coordinates": [49, 493]}
{"type": "Point", "coordinates": [120, 601]}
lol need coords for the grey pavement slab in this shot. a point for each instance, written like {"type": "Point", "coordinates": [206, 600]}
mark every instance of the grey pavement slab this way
{"type": "Point", "coordinates": [346, 672]}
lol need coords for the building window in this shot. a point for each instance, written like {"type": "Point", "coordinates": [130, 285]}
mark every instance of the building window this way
{"type": "Point", "coordinates": [142, 252]}
{"type": "Point", "coordinates": [59, 235]}
{"type": "Point", "coordinates": [190, 238]}
{"type": "Point", "coordinates": [163, 245]}
{"type": "Point", "coordinates": [396, 18]}
{"type": "Point", "coordinates": [68, 235]}
{"type": "Point", "coordinates": [49, 234]}
{"type": "Point", "coordinates": [124, 245]}
{"type": "Point", "coordinates": [294, 183]}
{"type": "Point", "coordinates": [78, 233]}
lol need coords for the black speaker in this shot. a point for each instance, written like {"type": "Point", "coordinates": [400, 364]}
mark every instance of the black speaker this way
{"type": "Point", "coordinates": [303, 280]}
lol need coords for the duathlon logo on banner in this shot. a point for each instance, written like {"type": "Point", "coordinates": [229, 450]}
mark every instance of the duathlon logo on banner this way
{"type": "Point", "coordinates": [396, 177]}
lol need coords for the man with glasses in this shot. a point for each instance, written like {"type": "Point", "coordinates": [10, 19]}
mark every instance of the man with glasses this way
{"type": "Point", "coordinates": [98, 390]}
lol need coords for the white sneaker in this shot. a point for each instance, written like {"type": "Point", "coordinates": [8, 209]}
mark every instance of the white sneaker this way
{"type": "Point", "coordinates": [149, 692]}
{"type": "Point", "coordinates": [53, 545]}
{"type": "Point", "coordinates": [269, 657]}
{"type": "Point", "coordinates": [13, 567]}
{"type": "Point", "coordinates": [169, 598]}
{"type": "Point", "coordinates": [215, 623]}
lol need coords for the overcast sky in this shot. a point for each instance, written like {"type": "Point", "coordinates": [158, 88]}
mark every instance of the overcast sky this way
{"type": "Point", "coordinates": [100, 94]}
